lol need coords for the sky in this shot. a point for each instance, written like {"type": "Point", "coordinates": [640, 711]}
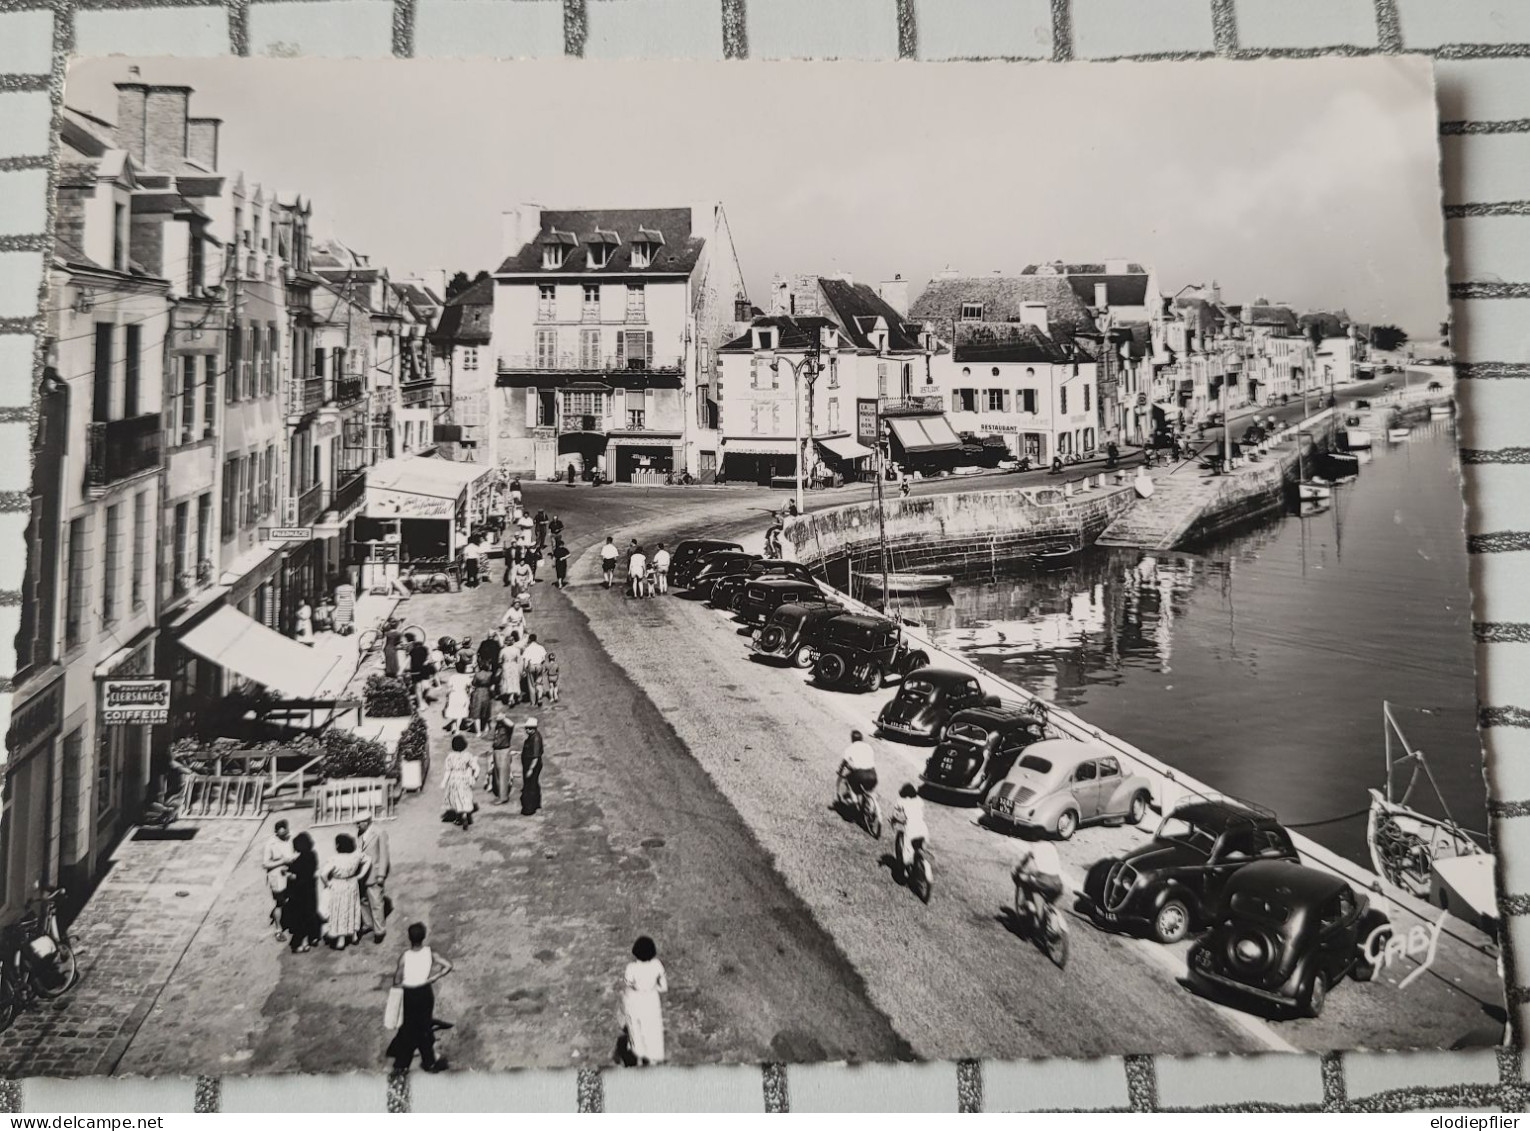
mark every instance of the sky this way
{"type": "Point", "coordinates": [1313, 182]}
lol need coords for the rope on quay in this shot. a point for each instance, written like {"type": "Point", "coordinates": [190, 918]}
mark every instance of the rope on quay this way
{"type": "Point", "coordinates": [1327, 820]}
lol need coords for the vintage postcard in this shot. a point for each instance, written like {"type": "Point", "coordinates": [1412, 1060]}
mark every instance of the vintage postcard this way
{"type": "Point", "coordinates": [573, 564]}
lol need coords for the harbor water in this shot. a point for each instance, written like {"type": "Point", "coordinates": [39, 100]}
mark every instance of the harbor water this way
{"type": "Point", "coordinates": [1259, 661]}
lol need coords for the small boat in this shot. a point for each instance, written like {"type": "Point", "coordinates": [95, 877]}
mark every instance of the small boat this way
{"type": "Point", "coordinates": [1338, 466]}
{"type": "Point", "coordinates": [1426, 857]}
{"type": "Point", "coordinates": [1055, 552]}
{"type": "Point", "coordinates": [1313, 490]}
{"type": "Point", "coordinates": [1352, 437]}
{"type": "Point", "coordinates": [1440, 410]}
{"type": "Point", "coordinates": [1398, 435]}
{"type": "Point", "coordinates": [909, 582]}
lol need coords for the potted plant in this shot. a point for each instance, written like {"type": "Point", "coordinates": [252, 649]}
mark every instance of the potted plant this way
{"type": "Point", "coordinates": [414, 755]}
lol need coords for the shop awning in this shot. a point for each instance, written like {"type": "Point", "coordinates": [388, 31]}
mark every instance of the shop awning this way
{"type": "Point", "coordinates": [759, 446]}
{"type": "Point", "coordinates": [248, 648]}
{"type": "Point", "coordinates": [845, 447]}
{"type": "Point", "coordinates": [418, 487]}
{"type": "Point", "coordinates": [924, 433]}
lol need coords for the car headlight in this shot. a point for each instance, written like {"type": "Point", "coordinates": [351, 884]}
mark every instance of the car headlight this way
{"type": "Point", "coordinates": [1249, 951]}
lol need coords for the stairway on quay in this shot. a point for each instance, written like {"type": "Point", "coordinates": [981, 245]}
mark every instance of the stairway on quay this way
{"type": "Point", "coordinates": [1162, 519]}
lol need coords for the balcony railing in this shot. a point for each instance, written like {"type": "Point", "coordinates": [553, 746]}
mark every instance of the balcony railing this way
{"type": "Point", "coordinates": [584, 363]}
{"type": "Point", "coordinates": [911, 406]}
{"type": "Point", "coordinates": [582, 422]}
{"type": "Point", "coordinates": [307, 395]}
{"type": "Point", "coordinates": [117, 449]}
{"type": "Point", "coordinates": [349, 390]}
{"type": "Point", "coordinates": [349, 493]}
{"type": "Point", "coordinates": [416, 395]}
{"type": "Point", "coordinates": [310, 505]}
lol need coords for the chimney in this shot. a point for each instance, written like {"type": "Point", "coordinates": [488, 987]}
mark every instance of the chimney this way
{"type": "Point", "coordinates": [1101, 296]}
{"type": "Point", "coordinates": [131, 116]}
{"type": "Point", "coordinates": [895, 294]}
{"type": "Point", "coordinates": [518, 226]}
{"type": "Point", "coordinates": [1035, 314]}
{"type": "Point", "coordinates": [780, 296]}
{"type": "Point", "coordinates": [165, 126]}
{"type": "Point", "coordinates": [202, 141]}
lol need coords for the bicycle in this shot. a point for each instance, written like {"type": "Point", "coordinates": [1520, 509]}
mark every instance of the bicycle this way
{"type": "Point", "coordinates": [372, 639]}
{"type": "Point", "coordinates": [40, 960]}
{"type": "Point", "coordinates": [919, 874]}
{"type": "Point", "coordinates": [1043, 921]}
{"type": "Point", "coordinates": [863, 804]}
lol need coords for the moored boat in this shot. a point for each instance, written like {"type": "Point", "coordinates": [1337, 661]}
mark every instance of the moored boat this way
{"type": "Point", "coordinates": [1338, 466]}
{"type": "Point", "coordinates": [909, 582]}
{"type": "Point", "coordinates": [1313, 490]}
{"type": "Point", "coordinates": [1352, 436]}
{"type": "Point", "coordinates": [1439, 410]}
{"type": "Point", "coordinates": [1398, 435]}
{"type": "Point", "coordinates": [1055, 552]}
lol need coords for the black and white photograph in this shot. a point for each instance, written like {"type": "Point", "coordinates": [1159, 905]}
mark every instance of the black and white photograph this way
{"type": "Point", "coordinates": [551, 565]}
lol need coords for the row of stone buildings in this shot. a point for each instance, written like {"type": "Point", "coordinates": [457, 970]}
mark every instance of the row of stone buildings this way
{"type": "Point", "coordinates": [217, 384]}
{"type": "Point", "coordinates": [625, 340]}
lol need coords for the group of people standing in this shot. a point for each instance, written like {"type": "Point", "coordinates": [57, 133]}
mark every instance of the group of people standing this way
{"type": "Point", "coordinates": [645, 576]}
{"type": "Point", "coordinates": [335, 902]}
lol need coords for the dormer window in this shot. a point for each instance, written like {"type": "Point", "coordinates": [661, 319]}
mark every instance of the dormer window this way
{"type": "Point", "coordinates": [880, 339]}
{"type": "Point", "coordinates": [642, 254]}
{"type": "Point", "coordinates": [555, 245]}
{"type": "Point", "coordinates": [603, 245]}
{"type": "Point", "coordinates": [645, 246]}
{"type": "Point", "coordinates": [972, 312]}
{"type": "Point", "coordinates": [765, 339]}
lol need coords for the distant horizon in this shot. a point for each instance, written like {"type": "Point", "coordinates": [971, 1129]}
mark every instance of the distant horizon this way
{"type": "Point", "coordinates": [1309, 182]}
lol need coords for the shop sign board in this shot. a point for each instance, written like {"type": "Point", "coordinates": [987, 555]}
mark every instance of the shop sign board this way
{"type": "Point", "coordinates": [135, 701]}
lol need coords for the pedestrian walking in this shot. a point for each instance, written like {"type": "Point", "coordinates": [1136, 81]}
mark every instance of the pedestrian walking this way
{"type": "Point", "coordinates": [459, 695]}
{"type": "Point", "coordinates": [541, 528]}
{"type": "Point", "coordinates": [531, 769]}
{"type": "Point", "coordinates": [637, 566]}
{"type": "Point", "coordinates": [642, 983]}
{"type": "Point", "coordinates": [472, 554]}
{"type": "Point", "coordinates": [511, 670]}
{"type": "Point", "coordinates": [661, 567]}
{"type": "Point", "coordinates": [534, 661]}
{"type": "Point", "coordinates": [503, 744]}
{"type": "Point", "coordinates": [608, 555]}
{"type": "Point", "coordinates": [488, 653]}
{"type": "Point", "coordinates": [372, 839]}
{"type": "Point", "coordinates": [550, 677]}
{"type": "Point", "coordinates": [555, 528]}
{"type": "Point", "coordinates": [520, 579]}
{"type": "Point", "coordinates": [481, 699]}
{"type": "Point", "coordinates": [419, 969]}
{"type": "Point", "coordinates": [305, 623]}
{"type": "Point", "coordinates": [560, 563]}
{"type": "Point", "coordinates": [343, 880]}
{"type": "Point", "coordinates": [515, 491]}
{"type": "Point", "coordinates": [461, 777]}
{"type": "Point", "coordinates": [392, 641]}
{"type": "Point", "coordinates": [279, 853]}
{"type": "Point", "coordinates": [300, 908]}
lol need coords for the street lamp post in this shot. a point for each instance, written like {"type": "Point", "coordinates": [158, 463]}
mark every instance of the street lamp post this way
{"type": "Point", "coordinates": [809, 364]}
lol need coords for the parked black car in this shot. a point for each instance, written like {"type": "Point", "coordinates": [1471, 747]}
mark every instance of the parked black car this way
{"type": "Point", "coordinates": [793, 632]}
{"type": "Point", "coordinates": [764, 595]}
{"type": "Point", "coordinates": [980, 746]}
{"type": "Point", "coordinates": [1175, 885]}
{"type": "Point", "coordinates": [1288, 934]}
{"type": "Point", "coordinates": [726, 590]}
{"type": "Point", "coordinates": [717, 565]}
{"type": "Point", "coordinates": [925, 702]}
{"type": "Point", "coordinates": [688, 555]}
{"type": "Point", "coordinates": [857, 652]}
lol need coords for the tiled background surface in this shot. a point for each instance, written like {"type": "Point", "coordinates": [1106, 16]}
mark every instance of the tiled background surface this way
{"type": "Point", "coordinates": [1483, 53]}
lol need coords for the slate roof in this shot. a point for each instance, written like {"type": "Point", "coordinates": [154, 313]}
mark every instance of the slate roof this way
{"type": "Point", "coordinates": [1128, 288]}
{"type": "Point", "coordinates": [1012, 342]}
{"type": "Point", "coordinates": [1002, 296]}
{"type": "Point", "coordinates": [465, 320]}
{"type": "Point", "coordinates": [678, 255]}
{"type": "Point", "coordinates": [1081, 269]}
{"type": "Point", "coordinates": [1335, 323]}
{"type": "Point", "coordinates": [1281, 317]}
{"type": "Point", "coordinates": [859, 306]}
{"type": "Point", "coordinates": [796, 332]}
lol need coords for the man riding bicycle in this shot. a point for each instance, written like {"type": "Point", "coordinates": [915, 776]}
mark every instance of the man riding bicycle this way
{"type": "Point", "coordinates": [1040, 871]}
{"type": "Point", "coordinates": [859, 765]}
{"type": "Point", "coordinates": [909, 819]}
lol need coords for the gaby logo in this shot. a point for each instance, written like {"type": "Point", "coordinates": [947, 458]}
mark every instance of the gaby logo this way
{"type": "Point", "coordinates": [1385, 947]}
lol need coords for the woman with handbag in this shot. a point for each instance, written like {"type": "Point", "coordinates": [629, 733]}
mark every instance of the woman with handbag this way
{"type": "Point", "coordinates": [300, 910]}
{"type": "Point", "coordinates": [343, 880]}
{"type": "Point", "coordinates": [414, 1001]}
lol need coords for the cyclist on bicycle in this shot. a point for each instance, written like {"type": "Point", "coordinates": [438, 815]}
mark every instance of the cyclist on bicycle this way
{"type": "Point", "coordinates": [908, 818]}
{"type": "Point", "coordinates": [1039, 870]}
{"type": "Point", "coordinates": [859, 765]}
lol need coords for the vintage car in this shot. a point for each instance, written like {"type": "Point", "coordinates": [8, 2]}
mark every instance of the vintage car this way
{"type": "Point", "coordinates": [688, 555]}
{"type": "Point", "coordinates": [727, 589]}
{"type": "Point", "coordinates": [1286, 936]}
{"type": "Point", "coordinates": [980, 746]}
{"type": "Point", "coordinates": [792, 633]}
{"type": "Point", "coordinates": [718, 565]}
{"type": "Point", "coordinates": [1174, 884]}
{"type": "Point", "coordinates": [858, 652]}
{"type": "Point", "coordinates": [925, 702]}
{"type": "Point", "coordinates": [764, 595]}
{"type": "Point", "coordinates": [1060, 784]}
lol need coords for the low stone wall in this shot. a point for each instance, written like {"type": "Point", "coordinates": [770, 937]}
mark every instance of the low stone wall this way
{"type": "Point", "coordinates": [966, 534]}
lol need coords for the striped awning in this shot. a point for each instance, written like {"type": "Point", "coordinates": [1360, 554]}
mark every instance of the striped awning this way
{"type": "Point", "coordinates": [758, 446]}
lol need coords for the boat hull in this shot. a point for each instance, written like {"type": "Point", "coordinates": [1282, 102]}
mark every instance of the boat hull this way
{"type": "Point", "coordinates": [1426, 858]}
{"type": "Point", "coordinates": [1439, 410]}
{"type": "Point", "coordinates": [911, 583]}
{"type": "Point", "coordinates": [1354, 439]}
{"type": "Point", "coordinates": [1398, 435]}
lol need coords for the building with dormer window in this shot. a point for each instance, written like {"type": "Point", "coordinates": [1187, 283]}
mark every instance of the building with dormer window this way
{"type": "Point", "coordinates": [605, 329]}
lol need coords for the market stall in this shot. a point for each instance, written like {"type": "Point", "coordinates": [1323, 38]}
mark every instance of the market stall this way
{"type": "Point", "coordinates": [424, 506]}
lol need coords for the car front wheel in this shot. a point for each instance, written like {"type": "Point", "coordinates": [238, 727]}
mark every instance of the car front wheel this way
{"type": "Point", "coordinates": [1138, 810]}
{"type": "Point", "coordinates": [830, 668]}
{"type": "Point", "coordinates": [803, 657]}
{"type": "Point", "coordinates": [1314, 994]}
{"type": "Point", "coordinates": [1172, 923]}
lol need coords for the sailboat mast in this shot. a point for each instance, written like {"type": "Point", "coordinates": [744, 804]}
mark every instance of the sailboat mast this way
{"type": "Point", "coordinates": [882, 516]}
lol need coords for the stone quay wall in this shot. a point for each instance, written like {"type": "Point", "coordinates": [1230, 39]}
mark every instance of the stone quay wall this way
{"type": "Point", "coordinates": [966, 534]}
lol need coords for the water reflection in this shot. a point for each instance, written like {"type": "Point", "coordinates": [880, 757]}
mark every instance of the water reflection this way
{"type": "Point", "coordinates": [1259, 661]}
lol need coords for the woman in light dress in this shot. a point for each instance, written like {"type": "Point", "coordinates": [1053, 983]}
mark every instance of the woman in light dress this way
{"type": "Point", "coordinates": [343, 879]}
{"type": "Point", "coordinates": [459, 689]}
{"type": "Point", "coordinates": [642, 984]}
{"type": "Point", "coordinates": [510, 670]}
{"type": "Point", "coordinates": [462, 774]}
